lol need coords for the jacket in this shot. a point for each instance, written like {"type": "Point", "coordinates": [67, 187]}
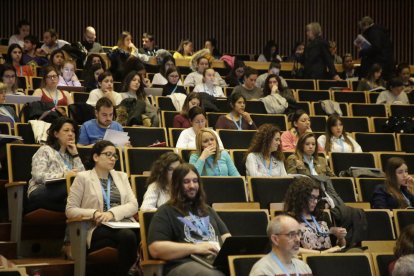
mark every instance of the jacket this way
{"type": "Point", "coordinates": [317, 60]}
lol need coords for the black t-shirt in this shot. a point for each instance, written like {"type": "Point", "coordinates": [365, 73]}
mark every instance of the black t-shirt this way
{"type": "Point", "coordinates": [168, 224]}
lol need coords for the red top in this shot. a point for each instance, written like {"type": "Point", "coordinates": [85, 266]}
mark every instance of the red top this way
{"type": "Point", "coordinates": [181, 122]}
{"type": "Point", "coordinates": [23, 70]}
{"type": "Point", "coordinates": [46, 99]}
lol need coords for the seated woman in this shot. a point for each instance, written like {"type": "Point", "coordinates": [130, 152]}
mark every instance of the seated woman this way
{"type": "Point", "coordinates": [7, 113]}
{"type": "Point", "coordinates": [49, 92]}
{"type": "Point", "coordinates": [306, 160]}
{"type": "Point", "coordinates": [236, 75]}
{"type": "Point", "coordinates": [161, 77]}
{"type": "Point", "coordinates": [182, 120]}
{"type": "Point", "coordinates": [210, 160]}
{"type": "Point", "coordinates": [300, 123]}
{"type": "Point", "coordinates": [92, 59]}
{"type": "Point", "coordinates": [373, 80]}
{"type": "Point", "coordinates": [270, 52]}
{"type": "Point", "coordinates": [237, 119]}
{"type": "Point", "coordinates": [91, 76]}
{"type": "Point", "coordinates": [14, 57]}
{"type": "Point", "coordinates": [185, 50]}
{"type": "Point", "coordinates": [198, 120]}
{"type": "Point", "coordinates": [404, 72]}
{"type": "Point", "coordinates": [58, 158]}
{"type": "Point", "coordinates": [159, 181]}
{"type": "Point", "coordinates": [209, 84]}
{"type": "Point", "coordinates": [173, 83]}
{"type": "Point", "coordinates": [103, 194]}
{"type": "Point", "coordinates": [394, 193]}
{"type": "Point", "coordinates": [106, 86]}
{"type": "Point", "coordinates": [303, 201]}
{"type": "Point", "coordinates": [211, 45]}
{"type": "Point", "coordinates": [68, 76]}
{"type": "Point", "coordinates": [276, 97]}
{"type": "Point", "coordinates": [264, 156]}
{"type": "Point", "coordinates": [56, 59]}
{"type": "Point", "coordinates": [133, 89]}
{"type": "Point", "coordinates": [395, 93]}
{"type": "Point", "coordinates": [8, 77]}
{"type": "Point", "coordinates": [335, 138]}
{"type": "Point", "coordinates": [22, 30]}
{"type": "Point", "coordinates": [199, 64]}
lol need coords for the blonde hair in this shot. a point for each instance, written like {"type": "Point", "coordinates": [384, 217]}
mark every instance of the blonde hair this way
{"type": "Point", "coordinates": [3, 87]}
{"type": "Point", "coordinates": [315, 27]}
{"type": "Point", "coordinates": [121, 39]}
{"type": "Point", "coordinates": [199, 143]}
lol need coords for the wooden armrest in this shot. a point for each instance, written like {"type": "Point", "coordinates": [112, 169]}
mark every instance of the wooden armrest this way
{"type": "Point", "coordinates": [15, 184]}
{"type": "Point", "coordinates": [152, 262]}
{"type": "Point", "coordinates": [78, 219]}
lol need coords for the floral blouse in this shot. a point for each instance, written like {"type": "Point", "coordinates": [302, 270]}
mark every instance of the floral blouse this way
{"type": "Point", "coordinates": [312, 238]}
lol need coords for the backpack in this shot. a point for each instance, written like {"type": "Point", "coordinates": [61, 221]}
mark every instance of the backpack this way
{"type": "Point", "coordinates": [47, 112]}
{"type": "Point", "coordinates": [129, 112]}
{"type": "Point", "coordinates": [81, 112]}
{"type": "Point", "coordinates": [399, 124]}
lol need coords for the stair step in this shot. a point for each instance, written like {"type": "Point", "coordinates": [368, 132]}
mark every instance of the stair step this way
{"type": "Point", "coordinates": [46, 266]}
{"type": "Point", "coordinates": [8, 249]}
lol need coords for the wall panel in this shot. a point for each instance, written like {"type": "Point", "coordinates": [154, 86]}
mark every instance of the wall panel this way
{"type": "Point", "coordinates": [240, 26]}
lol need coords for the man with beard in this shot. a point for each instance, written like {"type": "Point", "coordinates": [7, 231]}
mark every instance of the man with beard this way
{"type": "Point", "coordinates": [186, 225]}
{"type": "Point", "coordinates": [89, 41]}
{"type": "Point", "coordinates": [30, 56]}
{"type": "Point", "coordinates": [148, 45]}
{"type": "Point", "coordinates": [95, 129]}
{"type": "Point", "coordinates": [284, 233]}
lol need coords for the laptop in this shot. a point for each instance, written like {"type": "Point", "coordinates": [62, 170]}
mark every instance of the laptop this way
{"type": "Point", "coordinates": [238, 245]}
{"type": "Point", "coordinates": [153, 91]}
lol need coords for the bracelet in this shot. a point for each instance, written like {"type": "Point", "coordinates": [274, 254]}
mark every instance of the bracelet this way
{"type": "Point", "coordinates": [75, 155]}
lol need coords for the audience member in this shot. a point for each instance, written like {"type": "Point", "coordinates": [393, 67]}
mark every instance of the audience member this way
{"type": "Point", "coordinates": [94, 58]}
{"type": "Point", "coordinates": [270, 53]}
{"type": "Point", "coordinates": [394, 193]}
{"type": "Point", "coordinates": [185, 50]}
{"type": "Point", "coordinates": [208, 159]}
{"type": "Point", "coordinates": [306, 160]}
{"type": "Point", "coordinates": [106, 86]}
{"type": "Point", "coordinates": [30, 56]}
{"type": "Point", "coordinates": [159, 181]}
{"type": "Point", "coordinates": [199, 65]}
{"type": "Point", "coordinates": [187, 137]}
{"type": "Point", "coordinates": [316, 58]}
{"type": "Point", "coordinates": [91, 76]}
{"type": "Point", "coordinates": [94, 130]}
{"type": "Point", "coordinates": [58, 158]}
{"type": "Point", "coordinates": [285, 234]}
{"type": "Point", "coordinates": [248, 89]}
{"type": "Point", "coordinates": [169, 238]}
{"type": "Point", "coordinates": [51, 42]}
{"type": "Point", "coordinates": [335, 138]}
{"type": "Point", "coordinates": [238, 118]}
{"type": "Point", "coordinates": [173, 83]}
{"type": "Point", "coordinates": [14, 57]}
{"type": "Point", "coordinates": [300, 123]}
{"type": "Point", "coordinates": [274, 68]}
{"type": "Point", "coordinates": [182, 120]}
{"type": "Point", "coordinates": [148, 45]}
{"type": "Point", "coordinates": [49, 91]}
{"type": "Point", "coordinates": [236, 76]}
{"type": "Point", "coordinates": [68, 76]}
{"type": "Point", "coordinates": [211, 45]}
{"type": "Point", "coordinates": [7, 113]}
{"type": "Point", "coordinates": [56, 59]}
{"type": "Point", "coordinates": [297, 52]}
{"type": "Point", "coordinates": [209, 85]}
{"type": "Point", "coordinates": [303, 200]}
{"type": "Point", "coordinates": [404, 72]}
{"type": "Point", "coordinates": [381, 49]}
{"type": "Point", "coordinates": [102, 195]}
{"type": "Point", "coordinates": [373, 80]}
{"type": "Point", "coordinates": [22, 30]}
{"type": "Point", "coordinates": [332, 49]}
{"type": "Point", "coordinates": [404, 266]}
{"type": "Point", "coordinates": [395, 93]}
{"type": "Point", "coordinates": [404, 246]}
{"type": "Point", "coordinates": [349, 71]}
{"type": "Point", "coordinates": [276, 97]}
{"type": "Point", "coordinates": [8, 76]}
{"type": "Point", "coordinates": [89, 41]}
{"type": "Point", "coordinates": [161, 77]}
{"type": "Point", "coordinates": [264, 156]}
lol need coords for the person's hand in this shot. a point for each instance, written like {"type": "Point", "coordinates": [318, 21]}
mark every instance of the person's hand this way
{"type": "Point", "coordinates": [331, 250]}
{"type": "Point", "coordinates": [74, 77]}
{"type": "Point", "coordinates": [299, 163]}
{"type": "Point", "coordinates": [71, 147]}
{"type": "Point", "coordinates": [207, 152]}
{"type": "Point", "coordinates": [274, 89]}
{"type": "Point", "coordinates": [246, 117]}
{"type": "Point", "coordinates": [409, 181]}
{"type": "Point", "coordinates": [132, 46]}
{"type": "Point", "coordinates": [206, 248]}
{"type": "Point", "coordinates": [72, 172]}
{"type": "Point", "coordinates": [338, 232]}
{"type": "Point", "coordinates": [337, 78]}
{"type": "Point", "coordinates": [100, 217]}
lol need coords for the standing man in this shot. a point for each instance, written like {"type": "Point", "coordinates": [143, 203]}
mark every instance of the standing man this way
{"type": "Point", "coordinates": [284, 233]}
{"type": "Point", "coordinates": [186, 225]}
{"type": "Point", "coordinates": [380, 51]}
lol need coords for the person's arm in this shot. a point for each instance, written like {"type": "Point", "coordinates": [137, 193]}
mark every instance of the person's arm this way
{"type": "Point", "coordinates": [150, 198]}
{"type": "Point", "coordinates": [357, 147]}
{"type": "Point", "coordinates": [322, 142]}
{"type": "Point", "coordinates": [286, 140]}
{"type": "Point", "coordinates": [221, 122]}
{"type": "Point", "coordinates": [197, 88]}
{"type": "Point", "coordinates": [168, 250]}
{"type": "Point", "coordinates": [231, 168]}
{"type": "Point", "coordinates": [69, 97]}
{"type": "Point", "coordinates": [75, 198]}
{"type": "Point", "coordinates": [37, 92]}
{"type": "Point", "coordinates": [198, 162]}
{"type": "Point", "coordinates": [220, 81]}
{"type": "Point", "coordinates": [83, 136]}
{"type": "Point", "coordinates": [189, 80]}
{"type": "Point", "coordinates": [41, 163]}
{"type": "Point", "coordinates": [291, 164]}
{"type": "Point", "coordinates": [177, 121]}
{"type": "Point", "coordinates": [252, 166]}
{"type": "Point", "coordinates": [382, 98]}
{"type": "Point", "coordinates": [93, 97]}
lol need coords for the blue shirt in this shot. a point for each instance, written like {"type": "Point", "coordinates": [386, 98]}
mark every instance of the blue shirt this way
{"type": "Point", "coordinates": [223, 167]}
{"type": "Point", "coordinates": [91, 132]}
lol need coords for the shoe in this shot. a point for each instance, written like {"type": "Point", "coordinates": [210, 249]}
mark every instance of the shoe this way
{"type": "Point", "coordinates": [67, 251]}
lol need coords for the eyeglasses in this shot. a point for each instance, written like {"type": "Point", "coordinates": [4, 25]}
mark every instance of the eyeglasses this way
{"type": "Point", "coordinates": [313, 198]}
{"type": "Point", "coordinates": [52, 77]}
{"type": "Point", "coordinates": [9, 76]}
{"type": "Point", "coordinates": [202, 122]}
{"type": "Point", "coordinates": [292, 235]}
{"type": "Point", "coordinates": [110, 155]}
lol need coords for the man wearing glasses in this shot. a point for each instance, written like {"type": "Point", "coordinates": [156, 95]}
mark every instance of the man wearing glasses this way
{"type": "Point", "coordinates": [284, 233]}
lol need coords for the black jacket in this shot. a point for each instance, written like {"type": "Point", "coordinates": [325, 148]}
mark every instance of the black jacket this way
{"type": "Point", "coordinates": [317, 60]}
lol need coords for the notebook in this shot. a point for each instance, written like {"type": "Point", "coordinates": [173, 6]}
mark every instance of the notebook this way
{"type": "Point", "coordinates": [238, 245]}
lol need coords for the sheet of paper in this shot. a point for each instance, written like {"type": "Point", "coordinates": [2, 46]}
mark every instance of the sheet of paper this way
{"type": "Point", "coordinates": [121, 224]}
{"type": "Point", "coordinates": [119, 138]}
{"type": "Point", "coordinates": [362, 42]}
{"type": "Point", "coordinates": [20, 99]}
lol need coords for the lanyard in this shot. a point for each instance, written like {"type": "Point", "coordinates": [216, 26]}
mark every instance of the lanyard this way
{"type": "Point", "coordinates": [317, 228]}
{"type": "Point", "coordinates": [56, 100]}
{"type": "Point", "coordinates": [340, 141]}
{"type": "Point", "coordinates": [175, 88]}
{"type": "Point", "coordinates": [310, 164]}
{"type": "Point", "coordinates": [216, 169]}
{"type": "Point", "coordinates": [239, 125]}
{"type": "Point", "coordinates": [107, 195]}
{"type": "Point", "coordinates": [65, 160]}
{"type": "Point", "coordinates": [282, 267]}
{"type": "Point", "coordinates": [21, 71]}
{"type": "Point", "coordinates": [269, 169]}
{"type": "Point", "coordinates": [202, 224]}
{"type": "Point", "coordinates": [406, 198]}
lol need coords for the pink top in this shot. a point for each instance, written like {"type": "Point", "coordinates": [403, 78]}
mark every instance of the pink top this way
{"type": "Point", "coordinates": [289, 141]}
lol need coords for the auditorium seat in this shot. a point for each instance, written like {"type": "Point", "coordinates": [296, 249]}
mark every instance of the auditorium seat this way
{"type": "Point", "coordinates": [376, 141]}
{"type": "Point", "coordinates": [378, 123]}
{"type": "Point", "coordinates": [356, 124]}
{"type": "Point", "coordinates": [235, 220]}
{"type": "Point", "coordinates": [403, 218]}
{"type": "Point", "coordinates": [318, 123]}
{"type": "Point", "coordinates": [255, 107]}
{"type": "Point", "coordinates": [349, 97]}
{"type": "Point", "coordinates": [408, 157]}
{"type": "Point", "coordinates": [173, 135]}
{"type": "Point", "coordinates": [279, 120]}
{"type": "Point", "coordinates": [238, 156]}
{"type": "Point", "coordinates": [313, 95]}
{"type": "Point", "coordinates": [224, 189]}
{"type": "Point", "coordinates": [167, 118]}
{"type": "Point", "coordinates": [266, 190]}
{"type": "Point", "coordinates": [379, 219]}
{"type": "Point", "coordinates": [345, 187]}
{"type": "Point", "coordinates": [301, 84]}
{"type": "Point", "coordinates": [331, 84]}
{"type": "Point", "coordinates": [145, 136]}
{"type": "Point", "coordinates": [139, 186]}
{"type": "Point", "coordinates": [366, 187]}
{"type": "Point", "coordinates": [164, 103]}
{"type": "Point", "coordinates": [139, 160]}
{"type": "Point", "coordinates": [371, 110]}
{"type": "Point", "coordinates": [242, 264]}
{"type": "Point", "coordinates": [343, 161]}
{"type": "Point", "coordinates": [402, 110]}
{"type": "Point", "coordinates": [212, 118]}
{"type": "Point", "coordinates": [405, 142]}
{"type": "Point", "coordinates": [317, 108]}
{"type": "Point", "coordinates": [236, 139]}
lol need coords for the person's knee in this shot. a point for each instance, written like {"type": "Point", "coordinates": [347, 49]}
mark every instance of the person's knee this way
{"type": "Point", "coordinates": [128, 236]}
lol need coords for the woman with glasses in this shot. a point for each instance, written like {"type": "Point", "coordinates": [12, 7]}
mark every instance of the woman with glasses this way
{"type": "Point", "coordinates": [103, 195]}
{"type": "Point", "coordinates": [9, 78]}
{"type": "Point", "coordinates": [303, 202]}
{"type": "Point", "coordinates": [68, 76]}
{"type": "Point", "coordinates": [49, 92]}
{"type": "Point", "coordinates": [187, 138]}
{"type": "Point", "coordinates": [159, 182]}
{"type": "Point", "coordinates": [173, 84]}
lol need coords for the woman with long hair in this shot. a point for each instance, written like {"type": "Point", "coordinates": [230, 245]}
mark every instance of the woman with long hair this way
{"type": "Point", "coordinates": [161, 77]}
{"type": "Point", "coordinates": [182, 120]}
{"type": "Point", "coordinates": [300, 123]}
{"type": "Point", "coordinates": [15, 58]}
{"type": "Point", "coordinates": [185, 50]}
{"type": "Point", "coordinates": [394, 193]}
{"type": "Point", "coordinates": [373, 79]}
{"type": "Point", "coordinates": [238, 118]}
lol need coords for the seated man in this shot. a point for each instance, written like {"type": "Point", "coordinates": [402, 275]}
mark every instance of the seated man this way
{"type": "Point", "coordinates": [284, 234]}
{"type": "Point", "coordinates": [148, 45]}
{"type": "Point", "coordinates": [89, 41]}
{"type": "Point", "coordinates": [30, 56]}
{"type": "Point", "coordinates": [51, 42]}
{"type": "Point", "coordinates": [186, 225]}
{"type": "Point", "coordinates": [94, 130]}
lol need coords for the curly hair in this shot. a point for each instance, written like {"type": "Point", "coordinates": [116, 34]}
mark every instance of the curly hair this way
{"type": "Point", "coordinates": [263, 139]}
{"type": "Point", "coordinates": [405, 242]}
{"type": "Point", "coordinates": [56, 126]}
{"type": "Point", "coordinates": [179, 200]}
{"type": "Point", "coordinates": [297, 198]}
{"type": "Point", "coordinates": [160, 168]}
